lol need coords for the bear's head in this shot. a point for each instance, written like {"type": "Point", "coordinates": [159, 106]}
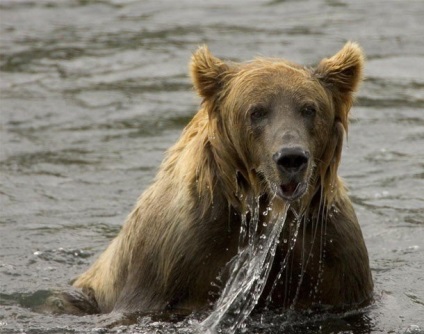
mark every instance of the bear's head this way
{"type": "Point", "coordinates": [276, 127]}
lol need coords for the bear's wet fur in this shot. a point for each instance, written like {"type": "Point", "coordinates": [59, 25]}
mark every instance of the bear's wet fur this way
{"type": "Point", "coordinates": [267, 129]}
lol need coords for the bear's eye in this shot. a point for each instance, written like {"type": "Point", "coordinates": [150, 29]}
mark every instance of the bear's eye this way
{"type": "Point", "coordinates": [258, 113]}
{"type": "Point", "coordinates": [309, 111]}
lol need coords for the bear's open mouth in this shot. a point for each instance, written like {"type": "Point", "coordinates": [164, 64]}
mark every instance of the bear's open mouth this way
{"type": "Point", "coordinates": [292, 190]}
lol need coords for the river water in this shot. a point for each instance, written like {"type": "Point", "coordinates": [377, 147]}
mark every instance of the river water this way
{"type": "Point", "coordinates": [93, 92]}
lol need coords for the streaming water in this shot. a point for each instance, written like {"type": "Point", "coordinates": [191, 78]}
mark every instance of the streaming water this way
{"type": "Point", "coordinates": [249, 271]}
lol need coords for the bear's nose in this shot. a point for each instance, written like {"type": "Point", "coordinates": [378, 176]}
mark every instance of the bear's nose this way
{"type": "Point", "coordinates": [291, 160]}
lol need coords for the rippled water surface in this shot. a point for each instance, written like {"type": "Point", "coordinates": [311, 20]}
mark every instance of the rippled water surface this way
{"type": "Point", "coordinates": [93, 92]}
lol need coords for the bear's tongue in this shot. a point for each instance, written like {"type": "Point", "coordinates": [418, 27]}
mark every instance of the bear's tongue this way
{"type": "Point", "coordinates": [290, 188]}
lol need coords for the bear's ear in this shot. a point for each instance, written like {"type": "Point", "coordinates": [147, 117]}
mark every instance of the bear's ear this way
{"type": "Point", "coordinates": [343, 71]}
{"type": "Point", "coordinates": [207, 72]}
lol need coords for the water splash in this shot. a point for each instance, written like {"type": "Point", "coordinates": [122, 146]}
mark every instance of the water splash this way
{"type": "Point", "coordinates": [249, 271]}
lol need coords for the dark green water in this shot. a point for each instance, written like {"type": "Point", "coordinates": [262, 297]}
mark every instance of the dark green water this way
{"type": "Point", "coordinates": [93, 92]}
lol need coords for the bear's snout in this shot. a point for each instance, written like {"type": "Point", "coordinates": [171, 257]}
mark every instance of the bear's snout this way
{"type": "Point", "coordinates": [291, 161]}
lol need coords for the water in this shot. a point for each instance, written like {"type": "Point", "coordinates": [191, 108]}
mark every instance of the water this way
{"type": "Point", "coordinates": [93, 92]}
{"type": "Point", "coordinates": [249, 271]}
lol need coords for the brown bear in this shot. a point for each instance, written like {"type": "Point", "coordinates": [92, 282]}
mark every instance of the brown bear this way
{"type": "Point", "coordinates": [269, 130]}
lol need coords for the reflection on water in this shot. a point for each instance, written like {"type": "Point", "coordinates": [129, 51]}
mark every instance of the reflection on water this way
{"type": "Point", "coordinates": [93, 92]}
